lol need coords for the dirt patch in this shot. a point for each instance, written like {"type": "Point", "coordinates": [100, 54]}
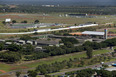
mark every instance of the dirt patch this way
{"type": "Point", "coordinates": [2, 71]}
{"type": "Point", "coordinates": [16, 68]}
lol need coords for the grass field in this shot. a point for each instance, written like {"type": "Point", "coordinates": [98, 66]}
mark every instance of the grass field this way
{"type": "Point", "coordinates": [112, 30]}
{"type": "Point", "coordinates": [50, 18]}
{"type": "Point", "coordinates": [5, 67]}
{"type": "Point", "coordinates": [56, 19]}
{"type": "Point", "coordinates": [32, 64]}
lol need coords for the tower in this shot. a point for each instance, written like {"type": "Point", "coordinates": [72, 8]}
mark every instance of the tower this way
{"type": "Point", "coordinates": [105, 33]}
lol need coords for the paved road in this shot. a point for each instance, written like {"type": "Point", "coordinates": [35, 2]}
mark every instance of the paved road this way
{"type": "Point", "coordinates": [48, 30]}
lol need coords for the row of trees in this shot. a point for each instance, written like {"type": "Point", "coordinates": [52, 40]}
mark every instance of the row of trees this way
{"type": "Point", "coordinates": [14, 21]}
{"type": "Point", "coordinates": [54, 67]}
{"type": "Point", "coordinates": [92, 72]}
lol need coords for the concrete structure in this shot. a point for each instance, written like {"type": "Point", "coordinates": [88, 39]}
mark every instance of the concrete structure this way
{"type": "Point", "coordinates": [105, 33]}
{"type": "Point", "coordinates": [81, 15]}
{"type": "Point", "coordinates": [78, 15]}
{"type": "Point", "coordinates": [7, 20]}
{"type": "Point", "coordinates": [88, 40]}
{"type": "Point", "coordinates": [47, 42]}
{"type": "Point", "coordinates": [111, 69]}
{"type": "Point", "coordinates": [88, 33]}
{"type": "Point", "coordinates": [2, 40]}
{"type": "Point", "coordinates": [31, 25]}
{"type": "Point", "coordinates": [23, 25]}
{"type": "Point", "coordinates": [34, 42]}
{"type": "Point", "coordinates": [8, 43]}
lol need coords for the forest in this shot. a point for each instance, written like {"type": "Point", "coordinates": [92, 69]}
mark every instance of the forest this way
{"type": "Point", "coordinates": [97, 10]}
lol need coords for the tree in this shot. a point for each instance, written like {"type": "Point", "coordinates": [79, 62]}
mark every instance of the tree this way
{"type": "Point", "coordinates": [85, 73]}
{"type": "Point", "coordinates": [14, 47]}
{"type": "Point", "coordinates": [43, 71]}
{"type": "Point", "coordinates": [11, 56]}
{"type": "Point", "coordinates": [72, 40]}
{"type": "Point", "coordinates": [105, 73]}
{"type": "Point", "coordinates": [3, 22]}
{"type": "Point", "coordinates": [25, 37]}
{"type": "Point", "coordinates": [94, 22]}
{"type": "Point", "coordinates": [24, 21]}
{"type": "Point", "coordinates": [1, 46]}
{"type": "Point", "coordinates": [89, 52]}
{"type": "Point", "coordinates": [69, 45]}
{"type": "Point", "coordinates": [28, 49]}
{"type": "Point", "coordinates": [48, 76]}
{"type": "Point", "coordinates": [113, 73]}
{"type": "Point", "coordinates": [32, 73]}
{"type": "Point", "coordinates": [18, 74]}
{"type": "Point", "coordinates": [14, 21]}
{"type": "Point", "coordinates": [36, 21]}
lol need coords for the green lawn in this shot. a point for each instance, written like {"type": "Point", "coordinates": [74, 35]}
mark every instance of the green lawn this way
{"type": "Point", "coordinates": [4, 67]}
{"type": "Point", "coordinates": [112, 30]}
{"type": "Point", "coordinates": [100, 52]}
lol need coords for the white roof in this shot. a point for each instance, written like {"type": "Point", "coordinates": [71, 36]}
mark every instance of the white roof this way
{"type": "Point", "coordinates": [8, 20]}
{"type": "Point", "coordinates": [93, 33]}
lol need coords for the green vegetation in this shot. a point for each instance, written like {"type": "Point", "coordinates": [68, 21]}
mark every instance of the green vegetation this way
{"type": "Point", "coordinates": [72, 40]}
{"type": "Point", "coordinates": [36, 21]}
{"type": "Point", "coordinates": [18, 74]}
{"type": "Point", "coordinates": [64, 57]}
{"type": "Point", "coordinates": [29, 53]}
{"type": "Point", "coordinates": [89, 52]}
{"type": "Point", "coordinates": [10, 57]}
{"type": "Point", "coordinates": [92, 72]}
{"type": "Point", "coordinates": [49, 60]}
{"type": "Point", "coordinates": [32, 73]}
{"type": "Point", "coordinates": [62, 9]}
{"type": "Point", "coordinates": [14, 21]}
{"type": "Point", "coordinates": [72, 63]}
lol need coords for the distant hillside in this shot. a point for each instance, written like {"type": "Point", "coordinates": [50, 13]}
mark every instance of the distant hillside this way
{"type": "Point", "coordinates": [62, 2]}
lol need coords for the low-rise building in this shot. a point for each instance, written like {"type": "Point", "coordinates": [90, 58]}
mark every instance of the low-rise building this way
{"type": "Point", "coordinates": [21, 42]}
{"type": "Point", "coordinates": [29, 42]}
{"type": "Point", "coordinates": [8, 43]}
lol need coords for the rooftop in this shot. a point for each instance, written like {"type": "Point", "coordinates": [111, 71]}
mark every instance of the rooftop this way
{"type": "Point", "coordinates": [8, 20]}
{"type": "Point", "coordinates": [51, 42]}
{"type": "Point", "coordinates": [93, 33]}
